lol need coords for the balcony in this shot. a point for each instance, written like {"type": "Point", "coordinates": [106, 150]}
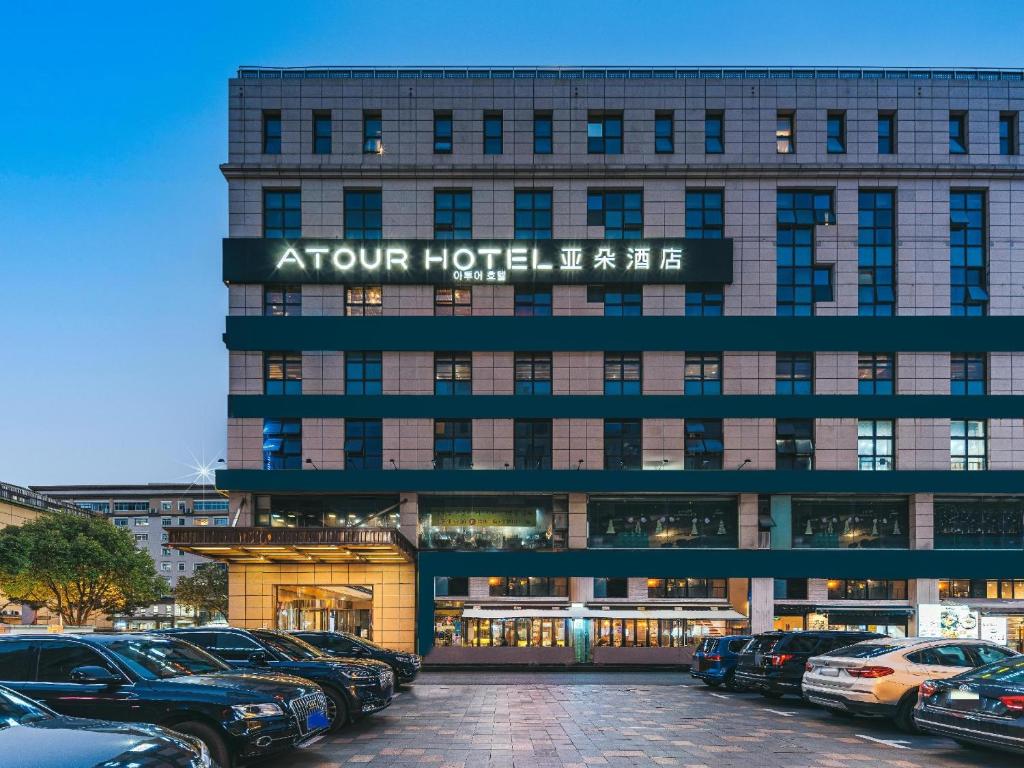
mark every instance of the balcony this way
{"type": "Point", "coordinates": [339, 546]}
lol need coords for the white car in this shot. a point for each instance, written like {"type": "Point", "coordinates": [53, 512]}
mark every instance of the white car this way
{"type": "Point", "coordinates": [881, 676]}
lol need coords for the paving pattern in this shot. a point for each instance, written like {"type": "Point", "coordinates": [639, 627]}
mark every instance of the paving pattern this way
{"type": "Point", "coordinates": [575, 720]}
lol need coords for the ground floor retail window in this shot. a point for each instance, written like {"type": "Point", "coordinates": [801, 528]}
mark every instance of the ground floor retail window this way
{"type": "Point", "coordinates": [517, 633]}
{"type": "Point", "coordinates": [892, 624]}
{"type": "Point", "coordinates": [342, 608]}
{"type": "Point", "coordinates": [492, 522]}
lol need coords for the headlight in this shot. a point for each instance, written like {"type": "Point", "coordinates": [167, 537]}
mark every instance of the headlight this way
{"type": "Point", "coordinates": [361, 673]}
{"type": "Point", "coordinates": [249, 711]}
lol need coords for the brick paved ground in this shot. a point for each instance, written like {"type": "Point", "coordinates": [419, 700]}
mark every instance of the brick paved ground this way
{"type": "Point", "coordinates": [577, 720]}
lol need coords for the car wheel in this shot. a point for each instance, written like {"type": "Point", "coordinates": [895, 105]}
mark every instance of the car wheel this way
{"type": "Point", "coordinates": [214, 742]}
{"type": "Point", "coordinates": [904, 717]}
{"type": "Point", "coordinates": [771, 694]}
{"type": "Point", "coordinates": [337, 709]}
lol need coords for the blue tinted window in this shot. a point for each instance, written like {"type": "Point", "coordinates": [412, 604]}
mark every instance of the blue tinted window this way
{"type": "Point", "coordinates": [957, 133]}
{"type": "Point", "coordinates": [282, 373]}
{"type": "Point", "coordinates": [886, 133]}
{"type": "Point", "coordinates": [453, 444]}
{"type": "Point", "coordinates": [453, 373]}
{"type": "Point", "coordinates": [876, 373]}
{"type": "Point", "coordinates": [1008, 143]}
{"type": "Point", "coordinates": [363, 214]}
{"type": "Point", "coordinates": [321, 133]}
{"type": "Point", "coordinates": [272, 133]}
{"type": "Point", "coordinates": [968, 258]}
{"type": "Point", "coordinates": [533, 214]}
{"type": "Point", "coordinates": [705, 218]}
{"type": "Point", "coordinates": [623, 444]}
{"type": "Point", "coordinates": [876, 253]}
{"type": "Point", "coordinates": [967, 373]}
{"type": "Point", "coordinates": [453, 214]}
{"type": "Point", "coordinates": [664, 133]}
{"type": "Point", "coordinates": [373, 133]}
{"type": "Point", "coordinates": [714, 133]}
{"type": "Point", "coordinates": [794, 374]}
{"type": "Point", "coordinates": [363, 373]}
{"type": "Point", "coordinates": [704, 300]}
{"type": "Point", "coordinates": [604, 133]}
{"type": "Point", "coordinates": [533, 373]}
{"type": "Point", "coordinates": [533, 301]}
{"type": "Point", "coordinates": [704, 444]}
{"type": "Point", "coordinates": [703, 374]}
{"type": "Point", "coordinates": [620, 212]}
{"type": "Point", "coordinates": [282, 213]}
{"type": "Point", "coordinates": [622, 373]}
{"type": "Point", "coordinates": [835, 127]}
{"type": "Point", "coordinates": [282, 444]}
{"type": "Point", "coordinates": [797, 214]}
{"type": "Point", "coordinates": [443, 133]}
{"type": "Point", "coordinates": [543, 133]}
{"type": "Point", "coordinates": [493, 133]}
{"type": "Point", "coordinates": [364, 444]}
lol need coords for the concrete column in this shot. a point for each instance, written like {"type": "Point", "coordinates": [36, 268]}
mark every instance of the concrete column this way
{"type": "Point", "coordinates": [409, 516]}
{"type": "Point", "coordinates": [748, 521]}
{"type": "Point", "coordinates": [922, 521]}
{"type": "Point", "coordinates": [578, 530]}
{"type": "Point", "coordinates": [921, 591]}
{"type": "Point", "coordinates": [581, 589]}
{"type": "Point", "coordinates": [762, 604]}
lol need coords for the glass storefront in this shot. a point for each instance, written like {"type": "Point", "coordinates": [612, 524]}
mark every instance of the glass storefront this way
{"type": "Point", "coordinates": [892, 623]}
{"type": "Point", "coordinates": [848, 523]}
{"type": "Point", "coordinates": [347, 608]}
{"type": "Point", "coordinates": [327, 511]}
{"type": "Point", "coordinates": [978, 523]}
{"type": "Point", "coordinates": [662, 521]}
{"type": "Point", "coordinates": [493, 522]}
{"type": "Point", "coordinates": [452, 629]}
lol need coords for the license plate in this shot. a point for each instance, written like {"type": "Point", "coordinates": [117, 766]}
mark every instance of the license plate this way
{"type": "Point", "coordinates": [958, 695]}
{"type": "Point", "coordinates": [827, 672]}
{"type": "Point", "coordinates": [316, 719]}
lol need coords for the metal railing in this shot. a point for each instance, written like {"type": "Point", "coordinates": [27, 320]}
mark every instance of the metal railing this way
{"type": "Point", "coordinates": [632, 73]}
{"type": "Point", "coordinates": [244, 537]}
{"type": "Point", "coordinates": [24, 497]}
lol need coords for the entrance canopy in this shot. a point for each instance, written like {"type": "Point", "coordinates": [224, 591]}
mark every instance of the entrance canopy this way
{"type": "Point", "coordinates": [295, 545]}
{"type": "Point", "coordinates": [580, 612]}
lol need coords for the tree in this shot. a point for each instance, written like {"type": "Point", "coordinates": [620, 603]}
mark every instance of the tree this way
{"type": "Point", "coordinates": [206, 591]}
{"type": "Point", "coordinates": [76, 566]}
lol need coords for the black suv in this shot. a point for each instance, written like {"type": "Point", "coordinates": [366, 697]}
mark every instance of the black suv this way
{"type": "Point", "coordinates": [773, 663]}
{"type": "Point", "coordinates": [144, 678]}
{"type": "Point", "coordinates": [354, 687]}
{"type": "Point", "coordinates": [405, 665]}
{"type": "Point", "coordinates": [32, 736]}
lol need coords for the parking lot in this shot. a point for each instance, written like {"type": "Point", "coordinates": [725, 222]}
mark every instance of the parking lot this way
{"type": "Point", "coordinates": [574, 720]}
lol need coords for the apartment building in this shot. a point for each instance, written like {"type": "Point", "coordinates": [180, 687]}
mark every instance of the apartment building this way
{"type": "Point", "coordinates": [582, 365]}
{"type": "Point", "coordinates": [149, 512]}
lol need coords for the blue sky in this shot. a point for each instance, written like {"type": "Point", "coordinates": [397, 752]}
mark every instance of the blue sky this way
{"type": "Point", "coordinates": [112, 206]}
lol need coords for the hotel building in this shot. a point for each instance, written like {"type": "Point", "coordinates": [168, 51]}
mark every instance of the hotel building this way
{"type": "Point", "coordinates": [582, 365]}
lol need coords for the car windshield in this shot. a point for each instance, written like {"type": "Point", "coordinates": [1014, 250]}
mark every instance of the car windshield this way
{"type": "Point", "coordinates": [761, 643]}
{"type": "Point", "coordinates": [159, 658]}
{"type": "Point", "coordinates": [1008, 672]}
{"type": "Point", "coordinates": [863, 651]}
{"type": "Point", "coordinates": [362, 641]}
{"type": "Point", "coordinates": [15, 710]}
{"type": "Point", "coordinates": [292, 647]}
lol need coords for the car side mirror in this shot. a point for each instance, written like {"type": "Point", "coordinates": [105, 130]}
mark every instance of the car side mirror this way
{"type": "Point", "coordinates": [94, 674]}
{"type": "Point", "coordinates": [259, 658]}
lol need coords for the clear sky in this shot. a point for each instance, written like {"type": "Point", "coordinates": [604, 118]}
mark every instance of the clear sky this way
{"type": "Point", "coordinates": [113, 123]}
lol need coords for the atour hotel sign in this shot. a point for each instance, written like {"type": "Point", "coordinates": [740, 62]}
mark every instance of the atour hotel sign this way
{"type": "Point", "coordinates": [470, 262]}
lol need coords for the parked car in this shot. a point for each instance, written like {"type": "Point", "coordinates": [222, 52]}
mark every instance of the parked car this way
{"type": "Point", "coordinates": [34, 736]}
{"type": "Point", "coordinates": [715, 659]}
{"type": "Point", "coordinates": [354, 687]}
{"type": "Point", "coordinates": [982, 706]}
{"type": "Point", "coordinates": [405, 665]}
{"type": "Point", "coordinates": [881, 677]}
{"type": "Point", "coordinates": [773, 663]}
{"type": "Point", "coordinates": [140, 678]}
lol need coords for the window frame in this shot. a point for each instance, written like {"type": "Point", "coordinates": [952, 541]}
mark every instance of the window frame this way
{"type": "Point", "coordinates": [624, 450]}
{"type": "Point", "coordinates": [453, 374]}
{"type": "Point", "coordinates": [288, 454]}
{"type": "Point", "coordinates": [540, 117]}
{"type": "Point", "coordinates": [785, 132]}
{"type": "Point", "coordinates": [876, 252]}
{"type": "Point", "coordinates": [959, 143]}
{"type": "Point", "coordinates": [363, 214]}
{"type": "Point", "coordinates": [876, 363]}
{"type": "Point", "coordinates": [794, 444]}
{"type": "Point", "coordinates": [600, 141]}
{"type": "Point", "coordinates": [532, 444]}
{"type": "Point", "coordinates": [970, 459]}
{"type": "Point", "coordinates": [623, 373]}
{"type": "Point", "coordinates": [887, 142]}
{"type": "Point", "coordinates": [364, 300]}
{"type": "Point", "coordinates": [835, 132]}
{"type": "Point", "coordinates": [705, 214]}
{"type": "Point", "coordinates": [533, 361]}
{"type": "Point", "coordinates": [448, 204]}
{"type": "Point", "coordinates": [320, 138]}
{"type": "Point", "coordinates": [711, 117]}
{"type": "Point", "coordinates": [961, 367]}
{"type": "Point", "coordinates": [286, 229]}
{"type": "Point", "coordinates": [271, 132]}
{"type": "Point", "coordinates": [290, 304]}
{"type": "Point", "coordinates": [696, 366]}
{"type": "Point", "coordinates": [453, 444]}
{"type": "Point", "coordinates": [283, 367]}
{"type": "Point", "coordinates": [664, 132]}
{"type": "Point", "coordinates": [493, 142]}
{"type": "Point", "coordinates": [612, 209]}
{"type": "Point", "coordinates": [872, 442]}
{"type": "Point", "coordinates": [373, 136]}
{"type": "Point", "coordinates": [364, 373]}
{"type": "Point", "coordinates": [1009, 144]}
{"type": "Point", "coordinates": [704, 444]}
{"type": "Point", "coordinates": [444, 132]}
{"type": "Point", "coordinates": [364, 449]}
{"type": "Point", "coordinates": [541, 216]}
{"type": "Point", "coordinates": [794, 373]}
{"type": "Point", "coordinates": [453, 301]}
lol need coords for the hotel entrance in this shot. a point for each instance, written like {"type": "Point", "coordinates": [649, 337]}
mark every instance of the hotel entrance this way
{"type": "Point", "coordinates": [347, 608]}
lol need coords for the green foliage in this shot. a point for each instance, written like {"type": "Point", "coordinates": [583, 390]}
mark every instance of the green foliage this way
{"type": "Point", "coordinates": [76, 566]}
{"type": "Point", "coordinates": [206, 592]}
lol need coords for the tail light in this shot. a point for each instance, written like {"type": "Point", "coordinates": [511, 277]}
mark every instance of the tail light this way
{"type": "Point", "coordinates": [778, 659]}
{"type": "Point", "coordinates": [927, 689]}
{"type": "Point", "coordinates": [712, 658]}
{"type": "Point", "coordinates": [808, 667]}
{"type": "Point", "coordinates": [870, 671]}
{"type": "Point", "coordinates": [1014, 704]}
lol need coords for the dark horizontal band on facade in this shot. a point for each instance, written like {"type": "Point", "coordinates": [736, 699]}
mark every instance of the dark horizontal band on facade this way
{"type": "Point", "coordinates": [692, 334]}
{"type": "Point", "coordinates": [619, 406]}
{"type": "Point", "coordinates": [619, 481]}
{"type": "Point", "coordinates": [735, 563]}
{"type": "Point", "coordinates": [358, 170]}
